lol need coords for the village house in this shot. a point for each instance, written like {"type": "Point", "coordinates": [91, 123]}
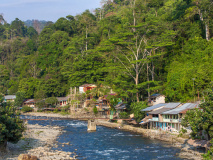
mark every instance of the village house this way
{"type": "Point", "coordinates": [86, 87]}
{"type": "Point", "coordinates": [156, 99]}
{"type": "Point", "coordinates": [62, 101]}
{"type": "Point", "coordinates": [149, 109]}
{"type": "Point", "coordinates": [9, 98]}
{"type": "Point", "coordinates": [172, 118]}
{"type": "Point", "coordinates": [29, 103]}
{"type": "Point", "coordinates": [166, 117]}
{"type": "Point", "coordinates": [103, 106]}
{"type": "Point", "coordinates": [156, 117]}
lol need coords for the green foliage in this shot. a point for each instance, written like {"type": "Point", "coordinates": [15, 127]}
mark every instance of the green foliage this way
{"type": "Point", "coordinates": [135, 47]}
{"type": "Point", "coordinates": [124, 115]}
{"type": "Point", "coordinates": [113, 101]}
{"type": "Point", "coordinates": [11, 127]}
{"type": "Point", "coordinates": [209, 154]}
{"type": "Point", "coordinates": [136, 108]}
{"type": "Point", "coordinates": [51, 101]}
{"type": "Point", "coordinates": [26, 109]}
{"type": "Point", "coordinates": [55, 111]}
{"type": "Point", "coordinates": [66, 108]}
{"type": "Point", "coordinates": [201, 119]}
{"type": "Point", "coordinates": [95, 110]}
{"type": "Point", "coordinates": [20, 96]}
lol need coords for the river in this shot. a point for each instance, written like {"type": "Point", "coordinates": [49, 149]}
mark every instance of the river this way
{"type": "Point", "coordinates": [108, 144]}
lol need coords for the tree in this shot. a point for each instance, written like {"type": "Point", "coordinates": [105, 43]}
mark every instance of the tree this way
{"type": "Point", "coordinates": [39, 98]}
{"type": "Point", "coordinates": [201, 119]}
{"type": "Point", "coordinates": [51, 101]}
{"type": "Point", "coordinates": [11, 127]}
{"type": "Point", "coordinates": [20, 96]}
{"type": "Point", "coordinates": [136, 108]}
{"type": "Point", "coordinates": [113, 101]}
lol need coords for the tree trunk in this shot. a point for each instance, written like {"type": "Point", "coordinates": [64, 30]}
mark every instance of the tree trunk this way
{"type": "Point", "coordinates": [136, 82]}
{"type": "Point", "coordinates": [147, 72]}
{"type": "Point", "coordinates": [207, 31]}
{"type": "Point", "coordinates": [153, 72]}
{"type": "Point", "coordinates": [86, 38]}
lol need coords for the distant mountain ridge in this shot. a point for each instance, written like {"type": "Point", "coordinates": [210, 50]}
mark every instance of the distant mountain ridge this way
{"type": "Point", "coordinates": [38, 25]}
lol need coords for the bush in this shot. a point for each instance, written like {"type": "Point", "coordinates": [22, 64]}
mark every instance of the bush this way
{"type": "Point", "coordinates": [124, 115]}
{"type": "Point", "coordinates": [55, 111]}
{"type": "Point", "coordinates": [26, 109]}
{"type": "Point", "coordinates": [64, 113]}
{"type": "Point", "coordinates": [66, 108]}
{"type": "Point", "coordinates": [95, 110]}
{"type": "Point", "coordinates": [11, 126]}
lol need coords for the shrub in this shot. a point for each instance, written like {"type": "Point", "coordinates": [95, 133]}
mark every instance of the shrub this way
{"type": "Point", "coordinates": [11, 126]}
{"type": "Point", "coordinates": [95, 110]}
{"type": "Point", "coordinates": [55, 111]}
{"type": "Point", "coordinates": [64, 113]}
{"type": "Point", "coordinates": [26, 109]}
{"type": "Point", "coordinates": [66, 108]}
{"type": "Point", "coordinates": [124, 115]}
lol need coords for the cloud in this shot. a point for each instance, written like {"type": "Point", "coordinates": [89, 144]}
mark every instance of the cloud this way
{"type": "Point", "coordinates": [14, 3]}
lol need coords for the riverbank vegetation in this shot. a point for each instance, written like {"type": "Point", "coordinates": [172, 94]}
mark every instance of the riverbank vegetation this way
{"type": "Point", "coordinates": [11, 127]}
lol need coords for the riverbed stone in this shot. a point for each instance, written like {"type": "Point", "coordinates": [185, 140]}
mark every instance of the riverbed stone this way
{"type": "Point", "coordinates": [27, 157]}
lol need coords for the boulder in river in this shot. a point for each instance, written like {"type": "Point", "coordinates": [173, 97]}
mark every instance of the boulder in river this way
{"type": "Point", "coordinates": [27, 157]}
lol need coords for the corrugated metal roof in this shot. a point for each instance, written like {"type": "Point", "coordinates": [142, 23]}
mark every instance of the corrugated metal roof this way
{"type": "Point", "coordinates": [10, 97]}
{"type": "Point", "coordinates": [159, 111]}
{"type": "Point", "coordinates": [30, 101]}
{"type": "Point", "coordinates": [156, 95]}
{"type": "Point", "coordinates": [87, 85]}
{"type": "Point", "coordinates": [154, 107]}
{"type": "Point", "coordinates": [62, 98]}
{"type": "Point", "coordinates": [181, 108]}
{"type": "Point", "coordinates": [172, 105]}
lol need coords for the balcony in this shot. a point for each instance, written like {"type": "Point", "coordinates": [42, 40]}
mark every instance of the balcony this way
{"type": "Point", "coordinates": [155, 119]}
{"type": "Point", "coordinates": [171, 120]}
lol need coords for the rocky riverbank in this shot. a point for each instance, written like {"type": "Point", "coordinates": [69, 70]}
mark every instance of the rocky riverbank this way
{"type": "Point", "coordinates": [38, 141]}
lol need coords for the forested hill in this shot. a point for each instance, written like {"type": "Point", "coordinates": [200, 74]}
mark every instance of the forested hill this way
{"type": "Point", "coordinates": [137, 47]}
{"type": "Point", "coordinates": [36, 24]}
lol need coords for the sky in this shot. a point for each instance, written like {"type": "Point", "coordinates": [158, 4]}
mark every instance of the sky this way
{"type": "Point", "coordinates": [49, 10]}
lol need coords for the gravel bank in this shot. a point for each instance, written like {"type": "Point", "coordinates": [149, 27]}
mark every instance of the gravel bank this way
{"type": "Point", "coordinates": [38, 141]}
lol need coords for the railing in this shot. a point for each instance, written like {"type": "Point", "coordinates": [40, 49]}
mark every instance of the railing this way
{"type": "Point", "coordinates": [171, 120]}
{"type": "Point", "coordinates": [155, 119]}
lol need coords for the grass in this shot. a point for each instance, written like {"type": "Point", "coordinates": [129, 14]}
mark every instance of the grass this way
{"type": "Point", "coordinates": [39, 132]}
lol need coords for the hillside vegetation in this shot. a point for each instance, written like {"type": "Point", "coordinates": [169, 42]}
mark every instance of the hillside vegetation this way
{"type": "Point", "coordinates": [136, 47]}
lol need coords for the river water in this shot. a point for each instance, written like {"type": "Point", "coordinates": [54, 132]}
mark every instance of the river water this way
{"type": "Point", "coordinates": [108, 144]}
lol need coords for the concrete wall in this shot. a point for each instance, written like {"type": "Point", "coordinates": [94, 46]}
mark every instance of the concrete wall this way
{"type": "Point", "coordinates": [159, 99]}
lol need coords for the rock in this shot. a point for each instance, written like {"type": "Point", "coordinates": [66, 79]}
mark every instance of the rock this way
{"type": "Point", "coordinates": [27, 157]}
